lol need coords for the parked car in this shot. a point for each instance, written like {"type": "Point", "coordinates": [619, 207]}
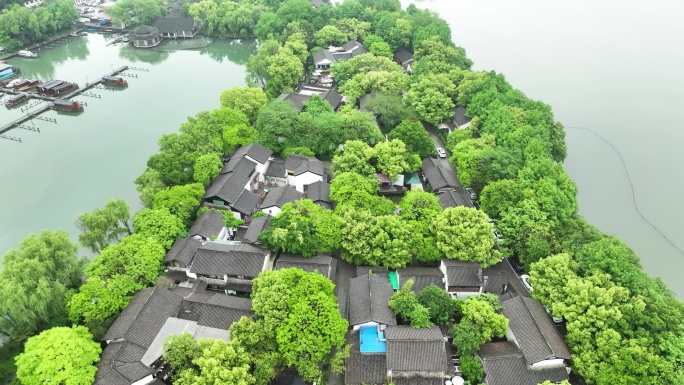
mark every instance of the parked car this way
{"type": "Point", "coordinates": [498, 236]}
{"type": "Point", "coordinates": [472, 193]}
{"type": "Point", "coordinates": [525, 280]}
{"type": "Point", "coordinates": [555, 319]}
{"type": "Point", "coordinates": [441, 152]}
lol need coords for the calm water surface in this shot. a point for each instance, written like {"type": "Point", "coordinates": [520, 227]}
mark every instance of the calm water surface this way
{"type": "Point", "coordinates": [79, 163]}
{"type": "Point", "coordinates": [614, 67]}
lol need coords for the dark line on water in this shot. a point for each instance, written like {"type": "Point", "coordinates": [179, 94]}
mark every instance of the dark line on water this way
{"type": "Point", "coordinates": [631, 186]}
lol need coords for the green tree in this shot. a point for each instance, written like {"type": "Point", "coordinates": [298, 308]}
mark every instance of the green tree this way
{"type": "Point", "coordinates": [148, 184]}
{"type": "Point", "coordinates": [377, 46]}
{"type": "Point", "coordinates": [275, 124]}
{"type": "Point", "coordinates": [160, 225]}
{"type": "Point", "coordinates": [330, 35]}
{"type": "Point", "coordinates": [33, 281]}
{"type": "Point", "coordinates": [239, 136]}
{"type": "Point", "coordinates": [301, 309]}
{"type": "Point", "coordinates": [145, 11]}
{"type": "Point", "coordinates": [354, 158]}
{"type": "Point", "coordinates": [472, 368]}
{"type": "Point", "coordinates": [297, 150]}
{"type": "Point", "coordinates": [217, 362]}
{"type": "Point", "coordinates": [431, 98]}
{"type": "Point", "coordinates": [303, 227]}
{"type": "Point", "coordinates": [406, 305]}
{"type": "Point", "coordinates": [114, 276]}
{"type": "Point", "coordinates": [60, 355]}
{"type": "Point", "coordinates": [415, 136]}
{"type": "Point", "coordinates": [438, 302]}
{"type": "Point", "coordinates": [419, 205]}
{"type": "Point", "coordinates": [261, 345]}
{"type": "Point", "coordinates": [207, 167]}
{"type": "Point", "coordinates": [467, 337]}
{"type": "Point", "coordinates": [181, 201]}
{"type": "Point", "coordinates": [104, 226]}
{"type": "Point", "coordinates": [393, 158]}
{"type": "Point", "coordinates": [463, 233]}
{"type": "Point", "coordinates": [179, 351]}
{"type": "Point", "coordinates": [480, 322]}
{"type": "Point", "coordinates": [390, 111]}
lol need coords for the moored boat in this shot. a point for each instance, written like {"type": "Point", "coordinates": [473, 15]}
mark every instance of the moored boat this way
{"type": "Point", "coordinates": [27, 53]}
{"type": "Point", "coordinates": [56, 87]}
{"type": "Point", "coordinates": [17, 99]}
{"type": "Point", "coordinates": [7, 71]}
{"type": "Point", "coordinates": [67, 105]}
{"type": "Point", "coordinates": [28, 84]}
{"type": "Point", "coordinates": [114, 81]}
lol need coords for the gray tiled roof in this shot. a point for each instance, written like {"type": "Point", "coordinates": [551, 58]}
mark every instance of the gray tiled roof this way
{"type": "Point", "coordinates": [161, 305]}
{"type": "Point", "coordinates": [239, 285]}
{"type": "Point", "coordinates": [106, 375]}
{"type": "Point", "coordinates": [246, 203]}
{"type": "Point", "coordinates": [422, 277]}
{"type": "Point", "coordinates": [380, 271]}
{"type": "Point", "coordinates": [183, 250]}
{"type": "Point", "coordinates": [133, 371]}
{"type": "Point", "coordinates": [173, 23]}
{"type": "Point", "coordinates": [368, 299]}
{"type": "Point", "coordinates": [507, 371]}
{"type": "Point", "coordinates": [228, 186]}
{"type": "Point", "coordinates": [128, 315]}
{"type": "Point", "coordinates": [460, 117]}
{"type": "Point", "coordinates": [297, 100]}
{"type": "Point", "coordinates": [556, 374]}
{"type": "Point", "coordinates": [276, 168]}
{"type": "Point", "coordinates": [461, 273]}
{"type": "Point", "coordinates": [216, 259]}
{"type": "Point", "coordinates": [533, 330]}
{"type": "Point", "coordinates": [418, 380]}
{"type": "Point", "coordinates": [279, 196]}
{"type": "Point", "coordinates": [130, 353]}
{"type": "Point", "coordinates": [300, 164]}
{"type": "Point", "coordinates": [368, 369]}
{"type": "Point", "coordinates": [255, 151]}
{"type": "Point", "coordinates": [437, 175]}
{"type": "Point", "coordinates": [221, 311]}
{"type": "Point", "coordinates": [403, 56]}
{"type": "Point", "coordinates": [208, 225]}
{"type": "Point", "coordinates": [355, 48]}
{"type": "Point", "coordinates": [333, 97]}
{"type": "Point", "coordinates": [454, 198]}
{"type": "Point", "coordinates": [410, 349]}
{"type": "Point", "coordinates": [255, 228]}
{"type": "Point", "coordinates": [321, 263]}
{"type": "Point", "coordinates": [318, 192]}
{"type": "Point", "coordinates": [495, 283]}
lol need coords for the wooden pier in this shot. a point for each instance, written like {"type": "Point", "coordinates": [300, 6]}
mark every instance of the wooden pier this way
{"type": "Point", "coordinates": [50, 99]}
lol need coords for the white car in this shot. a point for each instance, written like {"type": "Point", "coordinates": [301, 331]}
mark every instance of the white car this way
{"type": "Point", "coordinates": [441, 152]}
{"type": "Point", "coordinates": [555, 319]}
{"type": "Point", "coordinates": [525, 280]}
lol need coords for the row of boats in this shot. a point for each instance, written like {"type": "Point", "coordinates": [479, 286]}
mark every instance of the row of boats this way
{"type": "Point", "coordinates": [66, 105]}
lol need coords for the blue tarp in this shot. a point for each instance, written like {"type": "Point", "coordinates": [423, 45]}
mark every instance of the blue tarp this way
{"type": "Point", "coordinates": [370, 340]}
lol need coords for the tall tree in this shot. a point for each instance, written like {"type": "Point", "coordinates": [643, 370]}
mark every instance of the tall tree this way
{"type": "Point", "coordinates": [160, 225]}
{"type": "Point", "coordinates": [431, 98]}
{"type": "Point", "coordinates": [438, 302]}
{"type": "Point", "coordinates": [406, 305]}
{"type": "Point", "coordinates": [214, 362]}
{"type": "Point", "coordinates": [207, 167]}
{"type": "Point", "coordinates": [33, 281]}
{"type": "Point", "coordinates": [415, 136]}
{"type": "Point", "coordinates": [148, 184]}
{"type": "Point", "coordinates": [463, 233]}
{"type": "Point", "coordinates": [247, 100]}
{"type": "Point", "coordinates": [303, 227]}
{"type": "Point", "coordinates": [102, 227]}
{"type": "Point", "coordinates": [181, 201]}
{"type": "Point", "coordinates": [60, 355]}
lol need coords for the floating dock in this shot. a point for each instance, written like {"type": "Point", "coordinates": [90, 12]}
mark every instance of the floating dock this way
{"type": "Point", "coordinates": [51, 99]}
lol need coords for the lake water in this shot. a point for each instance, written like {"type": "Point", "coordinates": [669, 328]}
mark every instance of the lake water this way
{"type": "Point", "coordinates": [614, 67]}
{"type": "Point", "coordinates": [82, 161]}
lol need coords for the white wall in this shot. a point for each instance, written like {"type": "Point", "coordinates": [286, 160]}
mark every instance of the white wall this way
{"type": "Point", "coordinates": [260, 167]}
{"type": "Point", "coordinates": [550, 363]}
{"type": "Point", "coordinates": [371, 323]}
{"type": "Point", "coordinates": [273, 210]}
{"type": "Point", "coordinates": [302, 180]}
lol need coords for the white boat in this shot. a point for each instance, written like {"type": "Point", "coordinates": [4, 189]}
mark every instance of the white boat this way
{"type": "Point", "coordinates": [26, 53]}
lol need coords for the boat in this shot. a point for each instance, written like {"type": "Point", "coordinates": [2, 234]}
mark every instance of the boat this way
{"type": "Point", "coordinates": [67, 105]}
{"type": "Point", "coordinates": [28, 84]}
{"type": "Point", "coordinates": [27, 53]}
{"type": "Point", "coordinates": [56, 87]}
{"type": "Point", "coordinates": [114, 81]}
{"type": "Point", "coordinates": [17, 99]}
{"type": "Point", "coordinates": [14, 83]}
{"type": "Point", "coordinates": [7, 71]}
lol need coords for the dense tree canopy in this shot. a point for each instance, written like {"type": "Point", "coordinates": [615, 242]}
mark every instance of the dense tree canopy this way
{"type": "Point", "coordinates": [406, 305]}
{"type": "Point", "coordinates": [304, 228]}
{"type": "Point", "coordinates": [299, 319]}
{"type": "Point", "coordinates": [207, 167]}
{"type": "Point", "coordinates": [33, 281]}
{"type": "Point", "coordinates": [145, 11]}
{"type": "Point", "coordinates": [102, 227]}
{"type": "Point", "coordinates": [181, 201]}
{"type": "Point", "coordinates": [247, 100]}
{"type": "Point", "coordinates": [60, 355]}
{"type": "Point", "coordinates": [416, 138]}
{"type": "Point", "coordinates": [464, 233]}
{"type": "Point", "coordinates": [160, 225]}
{"type": "Point", "coordinates": [21, 25]}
